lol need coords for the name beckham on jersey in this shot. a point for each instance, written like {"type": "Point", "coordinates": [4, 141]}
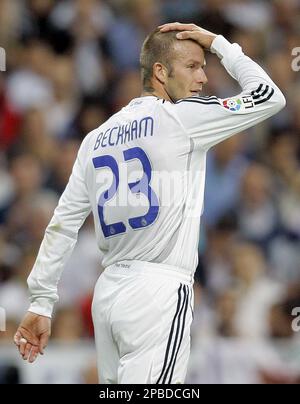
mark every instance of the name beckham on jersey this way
{"type": "Point", "coordinates": [125, 133]}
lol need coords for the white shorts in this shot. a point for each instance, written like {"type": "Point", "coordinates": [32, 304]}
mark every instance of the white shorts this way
{"type": "Point", "coordinates": [142, 314]}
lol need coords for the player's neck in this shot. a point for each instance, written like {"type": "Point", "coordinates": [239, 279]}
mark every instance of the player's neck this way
{"type": "Point", "coordinates": [156, 92]}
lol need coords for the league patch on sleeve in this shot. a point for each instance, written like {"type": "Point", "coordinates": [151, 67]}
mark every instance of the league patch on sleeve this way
{"type": "Point", "coordinates": [235, 104]}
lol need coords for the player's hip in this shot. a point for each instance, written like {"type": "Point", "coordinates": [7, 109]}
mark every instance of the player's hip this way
{"type": "Point", "coordinates": [142, 290]}
{"type": "Point", "coordinates": [139, 269]}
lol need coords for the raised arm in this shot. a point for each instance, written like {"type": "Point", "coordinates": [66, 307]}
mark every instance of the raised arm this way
{"type": "Point", "coordinates": [210, 120]}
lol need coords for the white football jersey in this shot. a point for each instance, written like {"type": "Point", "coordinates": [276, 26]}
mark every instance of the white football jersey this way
{"type": "Point", "coordinates": [142, 174]}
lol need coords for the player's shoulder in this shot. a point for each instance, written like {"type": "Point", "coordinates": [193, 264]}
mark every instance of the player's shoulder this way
{"type": "Point", "coordinates": [89, 140]}
{"type": "Point", "coordinates": [202, 100]}
{"type": "Point", "coordinates": [91, 135]}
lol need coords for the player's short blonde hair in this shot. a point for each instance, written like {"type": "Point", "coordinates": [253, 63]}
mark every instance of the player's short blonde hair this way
{"type": "Point", "coordinates": [157, 47]}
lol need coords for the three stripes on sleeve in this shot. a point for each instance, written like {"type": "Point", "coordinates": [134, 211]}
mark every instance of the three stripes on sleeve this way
{"type": "Point", "coordinates": [262, 94]}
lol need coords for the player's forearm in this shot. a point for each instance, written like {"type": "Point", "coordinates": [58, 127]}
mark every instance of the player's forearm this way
{"type": "Point", "coordinates": [58, 244]}
{"type": "Point", "coordinates": [247, 72]}
{"type": "Point", "coordinates": [54, 252]}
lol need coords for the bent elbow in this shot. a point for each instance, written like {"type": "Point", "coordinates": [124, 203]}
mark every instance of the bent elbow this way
{"type": "Point", "coordinates": [281, 101]}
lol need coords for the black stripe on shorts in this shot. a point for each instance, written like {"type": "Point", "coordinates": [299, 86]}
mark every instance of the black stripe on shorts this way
{"type": "Point", "coordinates": [174, 340]}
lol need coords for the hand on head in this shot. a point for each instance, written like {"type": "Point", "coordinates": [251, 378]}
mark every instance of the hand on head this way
{"type": "Point", "coordinates": [190, 31]}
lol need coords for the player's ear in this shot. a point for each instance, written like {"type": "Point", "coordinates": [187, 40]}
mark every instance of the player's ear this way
{"type": "Point", "coordinates": [160, 72]}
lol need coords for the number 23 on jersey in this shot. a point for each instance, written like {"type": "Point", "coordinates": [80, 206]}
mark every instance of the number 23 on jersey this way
{"type": "Point", "coordinates": [141, 186]}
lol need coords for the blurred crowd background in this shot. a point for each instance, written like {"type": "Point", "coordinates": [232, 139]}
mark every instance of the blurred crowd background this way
{"type": "Point", "coordinates": [70, 64]}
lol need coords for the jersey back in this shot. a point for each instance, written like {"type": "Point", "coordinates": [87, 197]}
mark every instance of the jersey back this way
{"type": "Point", "coordinates": [145, 183]}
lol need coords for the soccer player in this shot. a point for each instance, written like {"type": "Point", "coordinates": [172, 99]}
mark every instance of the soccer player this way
{"type": "Point", "coordinates": [142, 306]}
